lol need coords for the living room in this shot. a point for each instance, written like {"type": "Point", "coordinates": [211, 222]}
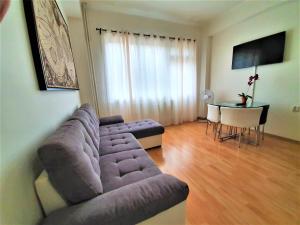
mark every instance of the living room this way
{"type": "Point", "coordinates": [149, 84]}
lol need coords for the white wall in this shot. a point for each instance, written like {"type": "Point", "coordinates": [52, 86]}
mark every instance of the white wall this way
{"type": "Point", "coordinates": [117, 21]}
{"type": "Point", "coordinates": [81, 58]}
{"type": "Point", "coordinates": [28, 115]}
{"type": "Point", "coordinates": [238, 14]}
{"type": "Point", "coordinates": [279, 83]}
{"type": "Point", "coordinates": [138, 24]}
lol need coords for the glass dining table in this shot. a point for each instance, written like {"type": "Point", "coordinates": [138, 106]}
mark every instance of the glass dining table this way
{"type": "Point", "coordinates": [263, 116]}
{"type": "Point", "coordinates": [239, 105]}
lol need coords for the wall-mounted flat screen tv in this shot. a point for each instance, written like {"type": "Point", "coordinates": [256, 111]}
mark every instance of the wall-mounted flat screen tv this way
{"type": "Point", "coordinates": [266, 50]}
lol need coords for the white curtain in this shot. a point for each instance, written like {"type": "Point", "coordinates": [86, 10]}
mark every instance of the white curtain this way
{"type": "Point", "coordinates": [147, 77]}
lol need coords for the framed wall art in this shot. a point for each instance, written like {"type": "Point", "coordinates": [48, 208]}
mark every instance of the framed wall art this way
{"type": "Point", "coordinates": [50, 44]}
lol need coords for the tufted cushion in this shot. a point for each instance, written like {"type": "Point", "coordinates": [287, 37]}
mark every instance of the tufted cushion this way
{"type": "Point", "coordinates": [118, 143]}
{"type": "Point", "coordinates": [91, 111]}
{"type": "Point", "coordinates": [72, 162]}
{"type": "Point", "coordinates": [126, 167]}
{"type": "Point", "coordinates": [89, 124]}
{"type": "Point", "coordinates": [140, 129]}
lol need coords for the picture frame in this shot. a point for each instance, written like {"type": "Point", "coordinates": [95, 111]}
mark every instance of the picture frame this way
{"type": "Point", "coordinates": [50, 44]}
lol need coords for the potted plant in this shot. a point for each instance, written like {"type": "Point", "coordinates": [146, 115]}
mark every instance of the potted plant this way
{"type": "Point", "coordinates": [244, 98]}
{"type": "Point", "coordinates": [251, 81]}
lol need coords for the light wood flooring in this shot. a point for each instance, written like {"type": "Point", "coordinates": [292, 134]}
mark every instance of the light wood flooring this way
{"type": "Point", "coordinates": [247, 186]}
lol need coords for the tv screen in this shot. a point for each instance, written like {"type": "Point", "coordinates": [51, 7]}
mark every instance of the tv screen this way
{"type": "Point", "coordinates": [266, 50]}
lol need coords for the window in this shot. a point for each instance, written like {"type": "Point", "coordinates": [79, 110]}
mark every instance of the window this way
{"type": "Point", "coordinates": [148, 74]}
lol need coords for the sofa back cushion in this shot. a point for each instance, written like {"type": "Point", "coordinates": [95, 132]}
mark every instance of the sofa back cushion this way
{"type": "Point", "coordinates": [91, 111]}
{"type": "Point", "coordinates": [72, 162]}
{"type": "Point", "coordinates": [90, 125]}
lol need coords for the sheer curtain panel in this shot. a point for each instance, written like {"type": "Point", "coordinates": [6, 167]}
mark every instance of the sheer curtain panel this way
{"type": "Point", "coordinates": [147, 77]}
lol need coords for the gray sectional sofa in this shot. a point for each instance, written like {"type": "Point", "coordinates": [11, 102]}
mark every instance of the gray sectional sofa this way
{"type": "Point", "coordinates": [97, 172]}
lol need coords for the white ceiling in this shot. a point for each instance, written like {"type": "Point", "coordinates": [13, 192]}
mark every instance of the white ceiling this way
{"type": "Point", "coordinates": [195, 12]}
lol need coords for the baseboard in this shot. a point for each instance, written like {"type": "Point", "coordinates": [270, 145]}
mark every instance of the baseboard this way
{"type": "Point", "coordinates": [282, 138]}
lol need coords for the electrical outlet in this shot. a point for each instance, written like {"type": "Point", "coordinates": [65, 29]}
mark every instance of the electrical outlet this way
{"type": "Point", "coordinates": [296, 108]}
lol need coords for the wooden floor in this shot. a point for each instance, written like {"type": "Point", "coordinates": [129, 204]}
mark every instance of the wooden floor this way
{"type": "Point", "coordinates": [247, 186]}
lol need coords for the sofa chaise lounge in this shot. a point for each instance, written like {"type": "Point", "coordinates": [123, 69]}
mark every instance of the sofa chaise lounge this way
{"type": "Point", "coordinates": [97, 172]}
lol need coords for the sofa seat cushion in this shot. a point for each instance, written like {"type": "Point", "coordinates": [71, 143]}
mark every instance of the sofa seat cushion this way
{"type": "Point", "coordinates": [126, 167]}
{"type": "Point", "coordinates": [118, 143]}
{"type": "Point", "coordinates": [72, 162]}
{"type": "Point", "coordinates": [140, 129]}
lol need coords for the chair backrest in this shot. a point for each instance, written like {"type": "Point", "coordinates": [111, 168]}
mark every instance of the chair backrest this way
{"type": "Point", "coordinates": [213, 113]}
{"type": "Point", "coordinates": [264, 114]}
{"type": "Point", "coordinates": [240, 117]}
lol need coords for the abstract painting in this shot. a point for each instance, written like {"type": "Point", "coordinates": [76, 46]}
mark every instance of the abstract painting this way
{"type": "Point", "coordinates": [50, 44]}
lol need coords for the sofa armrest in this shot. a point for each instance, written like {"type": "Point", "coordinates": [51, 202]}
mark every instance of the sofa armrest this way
{"type": "Point", "coordinates": [111, 120]}
{"type": "Point", "coordinates": [129, 204]}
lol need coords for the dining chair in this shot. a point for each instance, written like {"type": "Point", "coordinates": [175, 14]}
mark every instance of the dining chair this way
{"type": "Point", "coordinates": [263, 119]}
{"type": "Point", "coordinates": [213, 117]}
{"type": "Point", "coordinates": [241, 118]}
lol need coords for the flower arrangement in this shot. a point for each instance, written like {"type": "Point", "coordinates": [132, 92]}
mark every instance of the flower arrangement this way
{"type": "Point", "coordinates": [251, 81]}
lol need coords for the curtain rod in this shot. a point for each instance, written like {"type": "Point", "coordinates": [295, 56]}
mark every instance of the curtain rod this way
{"type": "Point", "coordinates": [145, 35]}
